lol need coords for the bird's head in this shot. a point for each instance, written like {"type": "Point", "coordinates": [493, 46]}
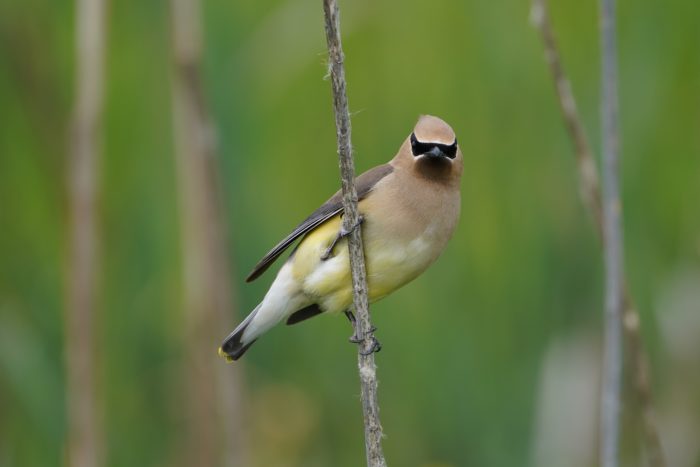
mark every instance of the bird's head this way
{"type": "Point", "coordinates": [432, 150]}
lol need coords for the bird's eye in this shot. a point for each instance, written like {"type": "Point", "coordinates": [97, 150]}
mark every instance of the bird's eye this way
{"type": "Point", "coordinates": [451, 150]}
{"type": "Point", "coordinates": [415, 145]}
{"type": "Point", "coordinates": [418, 148]}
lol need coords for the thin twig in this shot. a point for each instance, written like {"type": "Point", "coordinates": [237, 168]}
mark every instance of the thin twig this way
{"type": "Point", "coordinates": [216, 435]}
{"type": "Point", "coordinates": [367, 368]}
{"type": "Point", "coordinates": [612, 234]}
{"type": "Point", "coordinates": [85, 440]}
{"type": "Point", "coordinates": [642, 381]}
{"type": "Point", "coordinates": [589, 188]}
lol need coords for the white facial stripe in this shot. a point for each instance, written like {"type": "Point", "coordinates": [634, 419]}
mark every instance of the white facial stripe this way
{"type": "Point", "coordinates": [436, 141]}
{"type": "Point", "coordinates": [423, 156]}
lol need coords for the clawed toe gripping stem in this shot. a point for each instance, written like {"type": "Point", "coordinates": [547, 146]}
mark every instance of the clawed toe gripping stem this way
{"type": "Point", "coordinates": [375, 345]}
{"type": "Point", "coordinates": [341, 234]}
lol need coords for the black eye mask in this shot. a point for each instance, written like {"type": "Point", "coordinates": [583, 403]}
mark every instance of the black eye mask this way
{"type": "Point", "coordinates": [418, 148]}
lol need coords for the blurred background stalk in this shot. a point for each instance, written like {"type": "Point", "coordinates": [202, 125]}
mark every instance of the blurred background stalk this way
{"type": "Point", "coordinates": [591, 195]}
{"type": "Point", "coordinates": [611, 384]}
{"type": "Point", "coordinates": [85, 434]}
{"type": "Point", "coordinates": [214, 419]}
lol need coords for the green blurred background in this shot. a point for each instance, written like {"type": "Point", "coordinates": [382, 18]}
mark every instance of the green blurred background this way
{"type": "Point", "coordinates": [490, 358]}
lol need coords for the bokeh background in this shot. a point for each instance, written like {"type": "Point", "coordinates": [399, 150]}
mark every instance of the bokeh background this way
{"type": "Point", "coordinates": [490, 359]}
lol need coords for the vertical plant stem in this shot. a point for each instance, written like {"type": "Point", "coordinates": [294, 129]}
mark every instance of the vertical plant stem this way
{"type": "Point", "coordinates": [366, 365]}
{"type": "Point", "coordinates": [214, 393]}
{"type": "Point", "coordinates": [589, 186]}
{"type": "Point", "coordinates": [85, 442]}
{"type": "Point", "coordinates": [612, 234]}
{"type": "Point", "coordinates": [590, 191]}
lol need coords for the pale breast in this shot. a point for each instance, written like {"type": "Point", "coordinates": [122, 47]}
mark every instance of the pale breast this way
{"type": "Point", "coordinates": [393, 263]}
{"type": "Point", "coordinates": [407, 227]}
{"type": "Point", "coordinates": [404, 231]}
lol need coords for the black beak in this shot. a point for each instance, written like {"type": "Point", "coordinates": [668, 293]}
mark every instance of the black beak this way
{"type": "Point", "coordinates": [435, 151]}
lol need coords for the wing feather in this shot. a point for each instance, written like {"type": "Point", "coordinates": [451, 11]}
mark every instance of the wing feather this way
{"type": "Point", "coordinates": [329, 209]}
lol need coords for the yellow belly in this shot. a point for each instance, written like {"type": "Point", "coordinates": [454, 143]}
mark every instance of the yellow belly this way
{"type": "Point", "coordinates": [391, 263]}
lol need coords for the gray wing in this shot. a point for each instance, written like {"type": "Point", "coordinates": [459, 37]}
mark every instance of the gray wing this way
{"type": "Point", "coordinates": [330, 208]}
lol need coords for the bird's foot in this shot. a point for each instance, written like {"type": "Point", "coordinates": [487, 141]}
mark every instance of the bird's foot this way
{"type": "Point", "coordinates": [345, 233]}
{"type": "Point", "coordinates": [341, 234]}
{"type": "Point", "coordinates": [357, 339]}
{"type": "Point", "coordinates": [375, 346]}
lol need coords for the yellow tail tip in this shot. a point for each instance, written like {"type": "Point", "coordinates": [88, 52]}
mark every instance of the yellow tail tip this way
{"type": "Point", "coordinates": [225, 355]}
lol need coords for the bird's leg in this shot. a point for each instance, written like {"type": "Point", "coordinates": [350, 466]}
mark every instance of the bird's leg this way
{"type": "Point", "coordinates": [357, 339]}
{"type": "Point", "coordinates": [341, 234]}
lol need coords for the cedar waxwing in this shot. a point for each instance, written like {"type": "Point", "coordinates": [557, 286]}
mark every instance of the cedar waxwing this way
{"type": "Point", "coordinates": [409, 209]}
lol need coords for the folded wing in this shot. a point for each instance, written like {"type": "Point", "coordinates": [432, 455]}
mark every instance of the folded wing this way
{"type": "Point", "coordinates": [364, 184]}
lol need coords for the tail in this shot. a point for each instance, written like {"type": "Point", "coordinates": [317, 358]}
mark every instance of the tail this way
{"type": "Point", "coordinates": [235, 345]}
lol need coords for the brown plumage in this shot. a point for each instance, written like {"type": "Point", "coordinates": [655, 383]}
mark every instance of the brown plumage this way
{"type": "Point", "coordinates": [410, 208]}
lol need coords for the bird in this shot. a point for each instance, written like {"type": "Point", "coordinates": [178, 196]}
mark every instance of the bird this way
{"type": "Point", "coordinates": [409, 208]}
